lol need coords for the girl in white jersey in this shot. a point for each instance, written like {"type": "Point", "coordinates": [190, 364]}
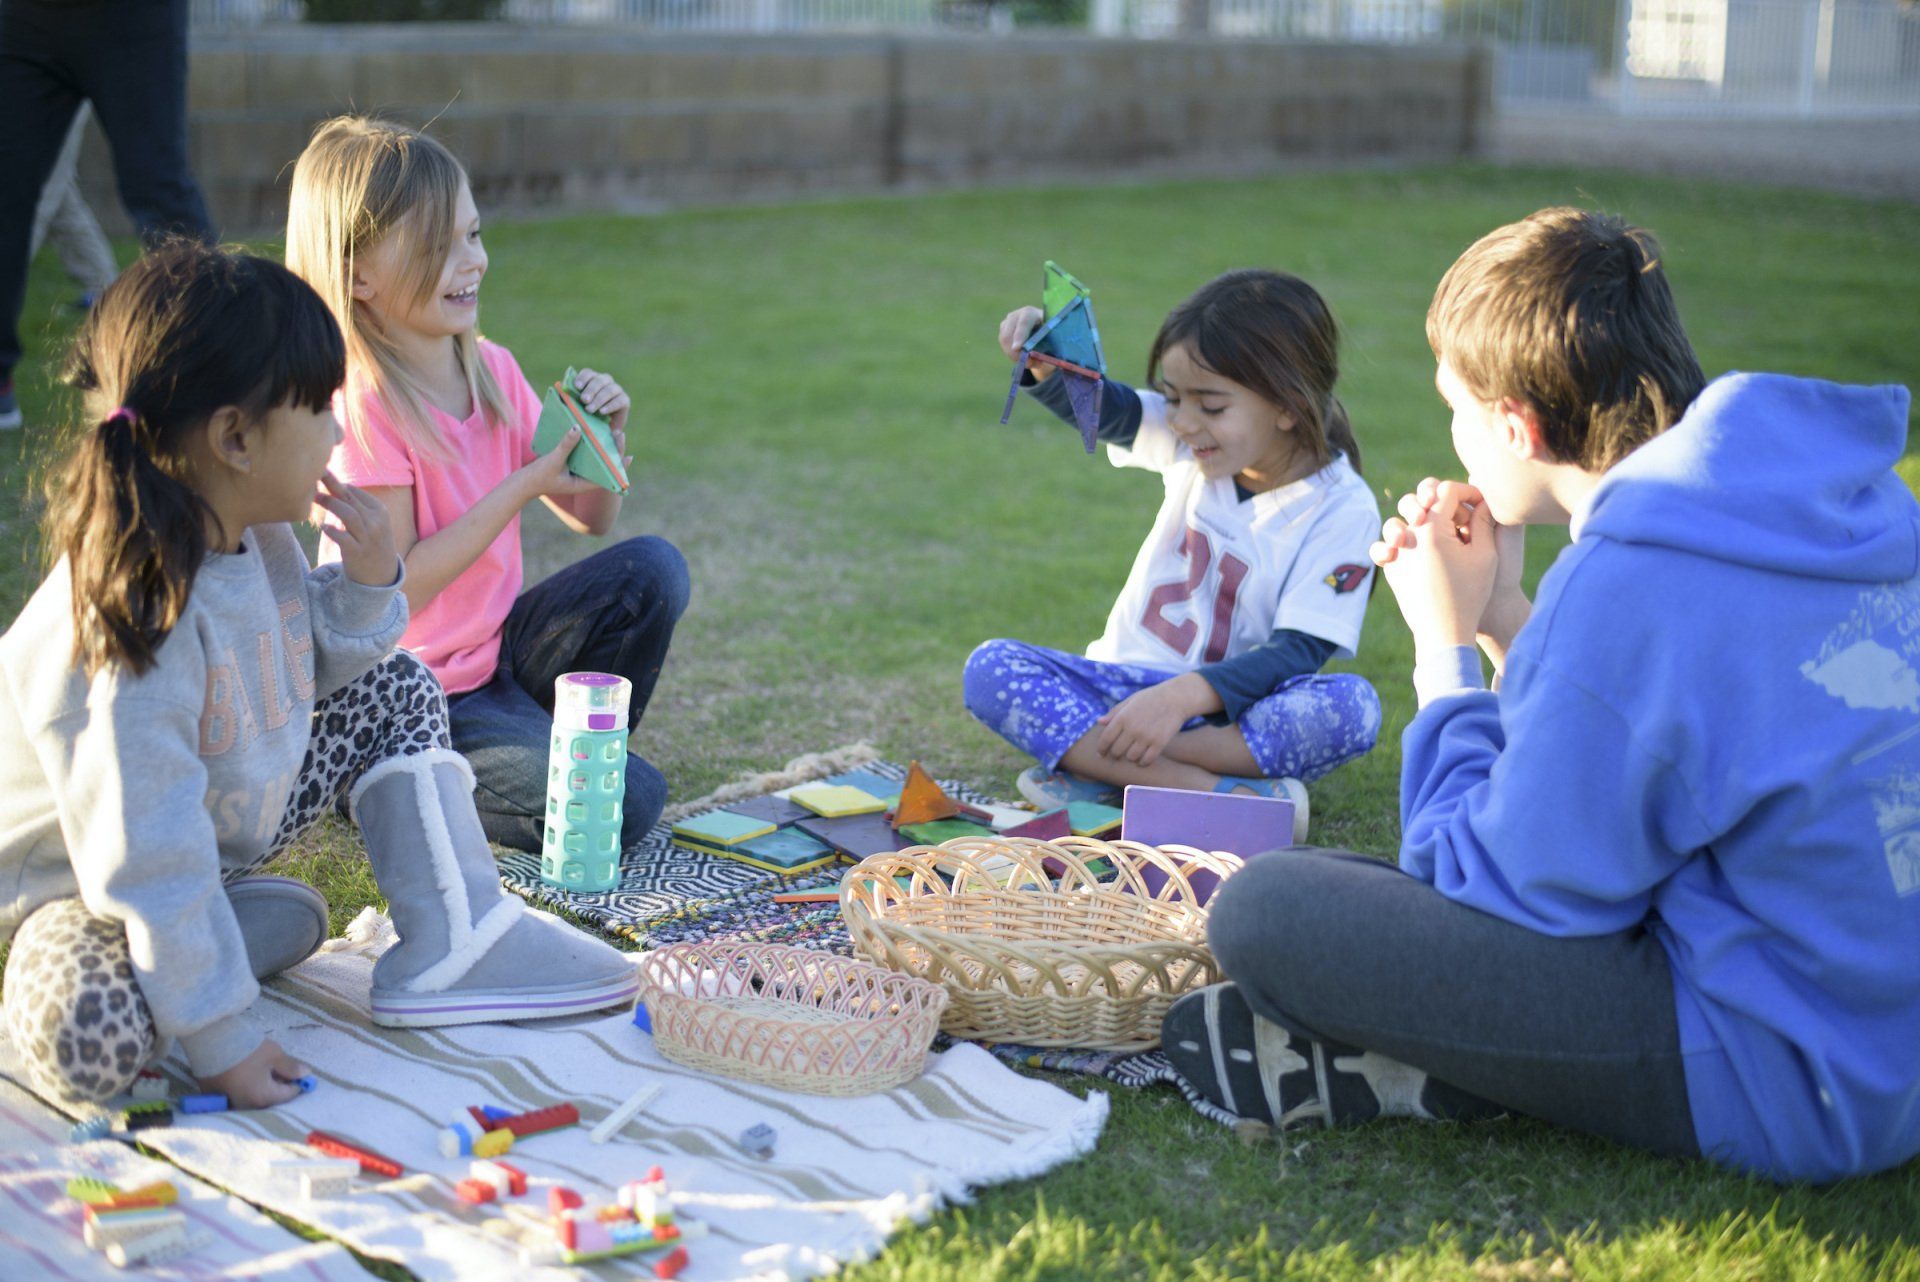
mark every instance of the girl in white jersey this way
{"type": "Point", "coordinates": [1208, 675]}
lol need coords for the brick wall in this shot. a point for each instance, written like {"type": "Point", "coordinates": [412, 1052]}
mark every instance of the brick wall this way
{"type": "Point", "coordinates": [605, 118]}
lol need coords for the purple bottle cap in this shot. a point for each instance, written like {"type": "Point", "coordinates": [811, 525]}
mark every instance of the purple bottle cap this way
{"type": "Point", "coordinates": [602, 721]}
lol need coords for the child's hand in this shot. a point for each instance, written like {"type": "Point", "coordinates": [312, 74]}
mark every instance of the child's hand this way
{"type": "Point", "coordinates": [267, 1077]}
{"type": "Point", "coordinates": [1140, 726]}
{"type": "Point", "coordinates": [364, 534]}
{"type": "Point", "coordinates": [599, 394]}
{"type": "Point", "coordinates": [1440, 557]}
{"type": "Point", "coordinates": [548, 474]}
{"type": "Point", "coordinates": [1014, 331]}
{"type": "Point", "coordinates": [1507, 606]}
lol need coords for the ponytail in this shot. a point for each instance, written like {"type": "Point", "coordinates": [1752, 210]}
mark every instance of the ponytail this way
{"type": "Point", "coordinates": [1339, 433]}
{"type": "Point", "coordinates": [134, 536]}
{"type": "Point", "coordinates": [184, 333]}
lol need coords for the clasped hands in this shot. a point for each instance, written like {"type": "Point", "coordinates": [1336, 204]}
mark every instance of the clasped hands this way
{"type": "Point", "coordinates": [1454, 570]}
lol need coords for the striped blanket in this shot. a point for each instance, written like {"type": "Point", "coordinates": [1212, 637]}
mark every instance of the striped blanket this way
{"type": "Point", "coordinates": [844, 1175]}
{"type": "Point", "coordinates": [40, 1225]}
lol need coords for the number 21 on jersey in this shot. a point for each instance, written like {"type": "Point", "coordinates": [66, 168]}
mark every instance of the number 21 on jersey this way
{"type": "Point", "coordinates": [1197, 550]}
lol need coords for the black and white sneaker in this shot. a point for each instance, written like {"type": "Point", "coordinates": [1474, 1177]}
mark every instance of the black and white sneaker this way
{"type": "Point", "coordinates": [1256, 1069]}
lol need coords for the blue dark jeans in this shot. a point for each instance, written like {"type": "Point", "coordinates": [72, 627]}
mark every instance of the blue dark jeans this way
{"type": "Point", "coordinates": [612, 612]}
{"type": "Point", "coordinates": [129, 59]}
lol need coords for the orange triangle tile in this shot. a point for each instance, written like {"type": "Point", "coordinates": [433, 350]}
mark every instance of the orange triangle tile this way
{"type": "Point", "coordinates": [922, 800]}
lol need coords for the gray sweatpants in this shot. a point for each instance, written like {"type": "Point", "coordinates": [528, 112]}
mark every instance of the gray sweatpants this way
{"type": "Point", "coordinates": [1578, 1032]}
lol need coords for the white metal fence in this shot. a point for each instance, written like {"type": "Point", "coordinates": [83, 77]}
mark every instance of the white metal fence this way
{"type": "Point", "coordinates": [1707, 57]}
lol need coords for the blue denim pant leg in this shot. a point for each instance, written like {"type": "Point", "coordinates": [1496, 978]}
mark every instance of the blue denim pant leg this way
{"type": "Point", "coordinates": [1044, 701]}
{"type": "Point", "coordinates": [1311, 724]}
{"type": "Point", "coordinates": [615, 612]}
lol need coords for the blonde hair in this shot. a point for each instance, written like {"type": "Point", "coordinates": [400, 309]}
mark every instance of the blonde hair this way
{"type": "Point", "coordinates": [359, 181]}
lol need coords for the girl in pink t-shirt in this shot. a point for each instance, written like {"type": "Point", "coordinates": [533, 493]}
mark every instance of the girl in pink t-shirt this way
{"type": "Point", "coordinates": [439, 427]}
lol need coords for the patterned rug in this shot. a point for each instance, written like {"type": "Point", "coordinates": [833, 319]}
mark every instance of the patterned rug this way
{"type": "Point", "coordinates": [670, 895]}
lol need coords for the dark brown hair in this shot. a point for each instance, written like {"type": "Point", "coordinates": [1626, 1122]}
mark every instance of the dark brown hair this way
{"type": "Point", "coordinates": [185, 331]}
{"type": "Point", "coordinates": [1275, 336]}
{"type": "Point", "coordinates": [1569, 312]}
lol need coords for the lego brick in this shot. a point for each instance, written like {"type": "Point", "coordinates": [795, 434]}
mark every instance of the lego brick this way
{"type": "Point", "coordinates": [758, 1140]}
{"type": "Point", "coordinates": [203, 1104]}
{"type": "Point", "coordinates": [370, 1161]}
{"type": "Point", "coordinates": [493, 1143]}
{"type": "Point", "coordinates": [475, 1191]}
{"type": "Point", "coordinates": [551, 1118]}
{"type": "Point", "coordinates": [608, 1126]}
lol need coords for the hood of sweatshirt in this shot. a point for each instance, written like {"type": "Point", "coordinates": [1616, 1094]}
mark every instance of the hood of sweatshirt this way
{"type": "Point", "coordinates": [1777, 473]}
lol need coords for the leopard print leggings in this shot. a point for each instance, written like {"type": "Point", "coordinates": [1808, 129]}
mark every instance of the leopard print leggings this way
{"type": "Point", "coordinates": [73, 1007]}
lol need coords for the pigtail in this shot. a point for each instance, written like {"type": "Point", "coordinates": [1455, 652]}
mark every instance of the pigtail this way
{"type": "Point", "coordinates": [134, 537]}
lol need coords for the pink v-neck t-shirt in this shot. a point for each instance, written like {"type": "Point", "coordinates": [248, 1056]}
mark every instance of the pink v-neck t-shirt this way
{"type": "Point", "coordinates": [457, 634]}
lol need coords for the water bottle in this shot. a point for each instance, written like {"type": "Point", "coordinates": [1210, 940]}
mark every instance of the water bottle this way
{"type": "Point", "coordinates": [586, 781]}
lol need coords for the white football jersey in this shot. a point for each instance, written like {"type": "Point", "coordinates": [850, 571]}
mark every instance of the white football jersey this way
{"type": "Point", "coordinates": [1219, 574]}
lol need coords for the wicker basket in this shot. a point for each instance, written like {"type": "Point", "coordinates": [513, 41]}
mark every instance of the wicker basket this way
{"type": "Point", "coordinates": [1031, 945]}
{"type": "Point", "coordinates": [789, 1017]}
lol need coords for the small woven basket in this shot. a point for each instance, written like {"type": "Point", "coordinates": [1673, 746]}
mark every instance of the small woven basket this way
{"type": "Point", "coordinates": [789, 1017]}
{"type": "Point", "coordinates": [1030, 944]}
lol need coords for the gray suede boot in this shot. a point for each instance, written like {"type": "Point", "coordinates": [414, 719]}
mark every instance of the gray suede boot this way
{"type": "Point", "coordinates": [469, 952]}
{"type": "Point", "coordinates": [282, 921]}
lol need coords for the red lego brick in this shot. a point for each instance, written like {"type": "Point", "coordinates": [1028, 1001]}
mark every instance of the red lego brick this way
{"type": "Point", "coordinates": [368, 1159]}
{"type": "Point", "coordinates": [550, 1118]}
{"type": "Point", "coordinates": [561, 1198]}
{"type": "Point", "coordinates": [474, 1191]}
{"type": "Point", "coordinates": [669, 1265]}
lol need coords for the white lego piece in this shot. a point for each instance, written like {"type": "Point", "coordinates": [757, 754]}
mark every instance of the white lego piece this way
{"type": "Point", "coordinates": [155, 1248]}
{"type": "Point", "coordinates": [103, 1230]}
{"type": "Point", "coordinates": [326, 1183]}
{"type": "Point", "coordinates": [149, 1086]}
{"type": "Point", "coordinates": [624, 1114]}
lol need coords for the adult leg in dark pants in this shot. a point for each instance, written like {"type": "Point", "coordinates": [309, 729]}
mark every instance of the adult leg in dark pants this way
{"type": "Point", "coordinates": [613, 612]}
{"type": "Point", "coordinates": [127, 57]}
{"type": "Point", "coordinates": [1376, 993]}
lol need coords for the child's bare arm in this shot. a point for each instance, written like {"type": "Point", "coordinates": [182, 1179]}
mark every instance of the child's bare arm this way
{"type": "Point", "coordinates": [434, 562]}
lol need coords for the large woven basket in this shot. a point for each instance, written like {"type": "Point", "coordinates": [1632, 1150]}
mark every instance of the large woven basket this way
{"type": "Point", "coordinates": [1032, 945]}
{"type": "Point", "coordinates": [789, 1017]}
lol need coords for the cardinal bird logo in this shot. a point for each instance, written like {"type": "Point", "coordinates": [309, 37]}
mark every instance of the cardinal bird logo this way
{"type": "Point", "coordinates": [1345, 578]}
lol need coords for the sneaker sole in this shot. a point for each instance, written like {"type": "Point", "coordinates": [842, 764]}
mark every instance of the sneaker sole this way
{"type": "Point", "coordinates": [1256, 1069]}
{"type": "Point", "coordinates": [428, 1010]}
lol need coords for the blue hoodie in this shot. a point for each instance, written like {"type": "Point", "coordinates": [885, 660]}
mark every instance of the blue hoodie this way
{"type": "Point", "coordinates": [1711, 725]}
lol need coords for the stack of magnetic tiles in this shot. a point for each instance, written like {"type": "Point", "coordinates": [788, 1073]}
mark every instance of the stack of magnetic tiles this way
{"type": "Point", "coordinates": [859, 813]}
{"type": "Point", "coordinates": [131, 1226]}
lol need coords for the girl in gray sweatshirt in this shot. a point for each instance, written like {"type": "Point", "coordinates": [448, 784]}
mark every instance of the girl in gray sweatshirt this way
{"type": "Point", "coordinates": [183, 696]}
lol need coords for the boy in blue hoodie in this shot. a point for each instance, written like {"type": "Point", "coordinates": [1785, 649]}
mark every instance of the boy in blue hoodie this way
{"type": "Point", "coordinates": [1661, 884]}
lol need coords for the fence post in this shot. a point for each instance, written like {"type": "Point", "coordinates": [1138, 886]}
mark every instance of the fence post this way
{"type": "Point", "coordinates": [1107, 17]}
{"type": "Point", "coordinates": [1623, 68]}
{"type": "Point", "coordinates": [1196, 17]}
{"type": "Point", "coordinates": [1809, 53]}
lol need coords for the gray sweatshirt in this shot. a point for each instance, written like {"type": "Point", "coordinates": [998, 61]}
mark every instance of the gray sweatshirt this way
{"type": "Point", "coordinates": [137, 793]}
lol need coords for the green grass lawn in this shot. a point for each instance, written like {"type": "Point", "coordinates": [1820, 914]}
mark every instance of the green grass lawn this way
{"type": "Point", "coordinates": [816, 392]}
